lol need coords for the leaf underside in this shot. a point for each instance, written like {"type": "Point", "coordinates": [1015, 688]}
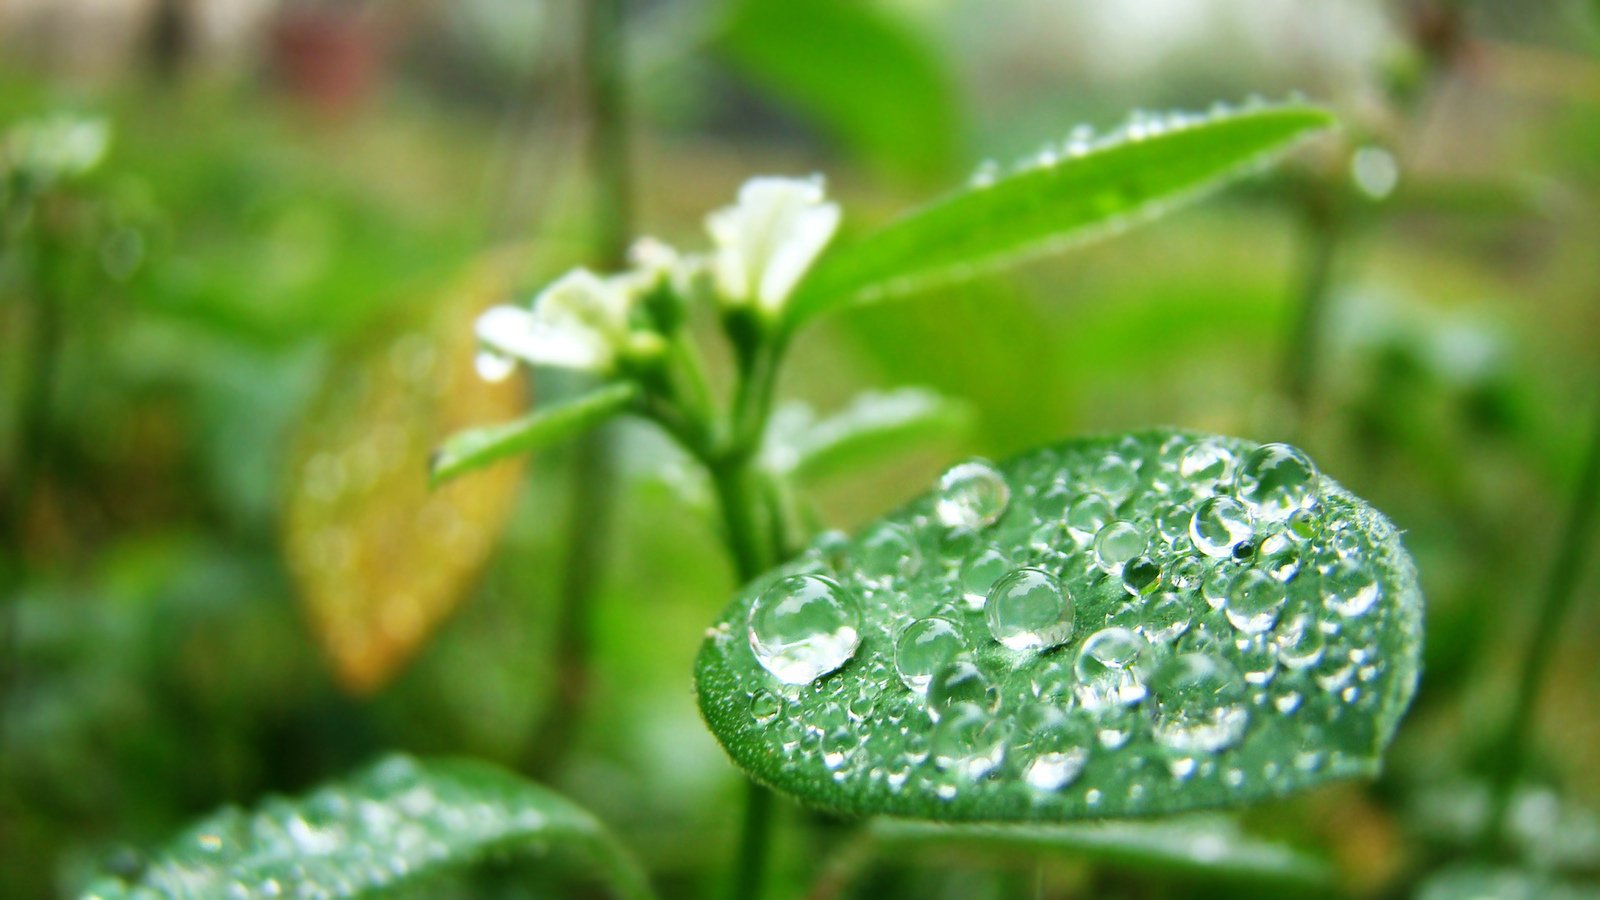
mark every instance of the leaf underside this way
{"type": "Point", "coordinates": [395, 824]}
{"type": "Point", "coordinates": [857, 740]}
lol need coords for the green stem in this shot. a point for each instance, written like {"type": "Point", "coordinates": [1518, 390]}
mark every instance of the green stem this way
{"type": "Point", "coordinates": [591, 499]}
{"type": "Point", "coordinates": [755, 835]}
{"type": "Point", "coordinates": [1576, 538]}
{"type": "Point", "coordinates": [1306, 336]}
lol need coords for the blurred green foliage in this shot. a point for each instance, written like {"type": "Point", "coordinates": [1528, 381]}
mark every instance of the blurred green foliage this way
{"type": "Point", "coordinates": [233, 244]}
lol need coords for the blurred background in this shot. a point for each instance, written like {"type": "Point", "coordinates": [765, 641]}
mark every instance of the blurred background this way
{"type": "Point", "coordinates": [243, 242]}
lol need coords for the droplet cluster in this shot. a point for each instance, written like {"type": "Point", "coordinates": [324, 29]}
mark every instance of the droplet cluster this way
{"type": "Point", "coordinates": [1104, 627]}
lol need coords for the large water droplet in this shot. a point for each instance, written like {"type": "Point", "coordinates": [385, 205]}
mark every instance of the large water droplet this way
{"type": "Point", "coordinates": [1254, 601]}
{"type": "Point", "coordinates": [1117, 543]}
{"type": "Point", "coordinates": [924, 647]}
{"type": "Point", "coordinates": [1274, 481]}
{"type": "Point", "coordinates": [972, 495]}
{"type": "Point", "coordinates": [1219, 525]}
{"type": "Point", "coordinates": [1165, 617]}
{"type": "Point", "coordinates": [1055, 745]}
{"type": "Point", "coordinates": [803, 627]}
{"type": "Point", "coordinates": [1029, 609]}
{"type": "Point", "coordinates": [1200, 704]}
{"type": "Point", "coordinates": [1109, 669]}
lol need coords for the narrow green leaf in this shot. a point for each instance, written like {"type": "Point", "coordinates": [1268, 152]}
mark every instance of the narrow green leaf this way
{"type": "Point", "coordinates": [1068, 195]}
{"type": "Point", "coordinates": [861, 75]}
{"type": "Point", "coordinates": [478, 447]}
{"type": "Point", "coordinates": [1189, 622]}
{"type": "Point", "coordinates": [395, 824]}
{"type": "Point", "coordinates": [1200, 846]}
{"type": "Point", "coordinates": [875, 426]}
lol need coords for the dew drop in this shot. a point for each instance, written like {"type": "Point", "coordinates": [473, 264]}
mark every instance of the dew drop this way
{"type": "Point", "coordinates": [1141, 576]}
{"type": "Point", "coordinates": [980, 572]}
{"type": "Point", "coordinates": [1200, 704]}
{"type": "Point", "coordinates": [1205, 465]}
{"type": "Point", "coordinates": [1349, 589]}
{"type": "Point", "coordinates": [1108, 669]}
{"type": "Point", "coordinates": [1056, 748]}
{"type": "Point", "coordinates": [1113, 477]}
{"type": "Point", "coordinates": [924, 647]}
{"type": "Point", "coordinates": [803, 627]}
{"type": "Point", "coordinates": [1254, 601]}
{"type": "Point", "coordinates": [890, 551]}
{"type": "Point", "coordinates": [1028, 609]}
{"type": "Point", "coordinates": [1165, 617]}
{"type": "Point", "coordinates": [1219, 525]}
{"type": "Point", "coordinates": [765, 706]}
{"type": "Point", "coordinates": [968, 742]}
{"type": "Point", "coordinates": [957, 682]}
{"type": "Point", "coordinates": [1087, 514]}
{"type": "Point", "coordinates": [972, 495]}
{"type": "Point", "coordinates": [1117, 543]}
{"type": "Point", "coordinates": [1274, 481]}
{"type": "Point", "coordinates": [1301, 644]}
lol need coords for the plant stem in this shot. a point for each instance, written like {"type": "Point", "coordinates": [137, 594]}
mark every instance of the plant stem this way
{"type": "Point", "coordinates": [755, 835]}
{"type": "Point", "coordinates": [1306, 337]}
{"type": "Point", "coordinates": [1576, 538]}
{"type": "Point", "coordinates": [590, 500]}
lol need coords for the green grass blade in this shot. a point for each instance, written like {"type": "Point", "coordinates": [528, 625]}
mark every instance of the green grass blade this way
{"type": "Point", "coordinates": [1137, 173]}
{"type": "Point", "coordinates": [478, 447]}
{"type": "Point", "coordinates": [400, 822]}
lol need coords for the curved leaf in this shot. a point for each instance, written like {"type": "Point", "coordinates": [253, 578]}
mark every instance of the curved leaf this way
{"type": "Point", "coordinates": [397, 823]}
{"type": "Point", "coordinates": [1295, 673]}
{"type": "Point", "coordinates": [1081, 190]}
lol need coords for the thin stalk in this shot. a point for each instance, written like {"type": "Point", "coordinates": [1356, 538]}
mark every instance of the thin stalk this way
{"type": "Point", "coordinates": [591, 500]}
{"type": "Point", "coordinates": [1577, 537]}
{"type": "Point", "coordinates": [1302, 352]}
{"type": "Point", "coordinates": [755, 836]}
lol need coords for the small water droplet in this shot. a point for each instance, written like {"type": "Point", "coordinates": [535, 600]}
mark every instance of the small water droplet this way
{"type": "Point", "coordinates": [979, 574]}
{"type": "Point", "coordinates": [972, 495]}
{"type": "Point", "coordinates": [1374, 171]}
{"type": "Point", "coordinates": [803, 627]}
{"type": "Point", "coordinates": [1141, 576]}
{"type": "Point", "coordinates": [1117, 543]}
{"type": "Point", "coordinates": [493, 367]}
{"type": "Point", "coordinates": [1109, 671]}
{"type": "Point", "coordinates": [1200, 704]}
{"type": "Point", "coordinates": [1254, 601]}
{"type": "Point", "coordinates": [968, 742]}
{"type": "Point", "coordinates": [924, 647]}
{"type": "Point", "coordinates": [1165, 617]}
{"type": "Point", "coordinates": [1349, 589]}
{"type": "Point", "coordinates": [1028, 609]}
{"type": "Point", "coordinates": [1086, 515]}
{"type": "Point", "coordinates": [1205, 465]}
{"type": "Point", "coordinates": [1274, 481]}
{"type": "Point", "coordinates": [960, 681]}
{"type": "Point", "coordinates": [765, 706]}
{"type": "Point", "coordinates": [890, 551]}
{"type": "Point", "coordinates": [1219, 525]}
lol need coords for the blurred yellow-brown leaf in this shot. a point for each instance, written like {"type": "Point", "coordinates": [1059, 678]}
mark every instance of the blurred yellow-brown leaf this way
{"type": "Point", "coordinates": [380, 559]}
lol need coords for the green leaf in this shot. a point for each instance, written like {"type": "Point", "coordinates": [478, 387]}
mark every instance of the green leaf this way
{"type": "Point", "coordinates": [396, 823]}
{"type": "Point", "coordinates": [1296, 673]}
{"type": "Point", "coordinates": [873, 427]}
{"type": "Point", "coordinates": [478, 447]}
{"type": "Point", "coordinates": [1069, 195]}
{"type": "Point", "coordinates": [1202, 846]}
{"type": "Point", "coordinates": [1477, 881]}
{"type": "Point", "coordinates": [862, 75]}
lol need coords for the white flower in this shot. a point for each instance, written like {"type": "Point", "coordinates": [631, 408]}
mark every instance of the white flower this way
{"type": "Point", "coordinates": [767, 241]}
{"type": "Point", "coordinates": [579, 322]}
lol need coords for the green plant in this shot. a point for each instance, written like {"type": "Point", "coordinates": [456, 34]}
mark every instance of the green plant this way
{"type": "Point", "coordinates": [1123, 602]}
